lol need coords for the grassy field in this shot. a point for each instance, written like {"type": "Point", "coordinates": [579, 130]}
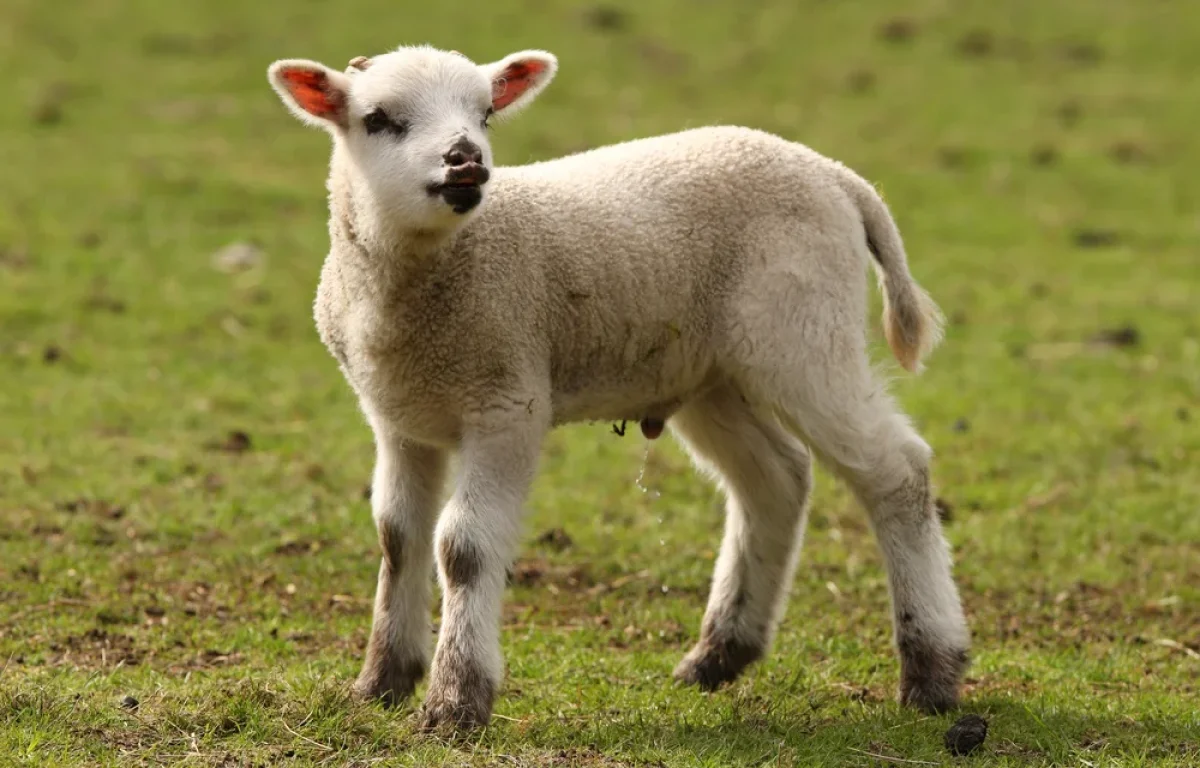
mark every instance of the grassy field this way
{"type": "Point", "coordinates": [182, 517]}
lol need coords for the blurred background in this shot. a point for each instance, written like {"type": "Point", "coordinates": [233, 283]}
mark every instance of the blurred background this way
{"type": "Point", "coordinates": [182, 467]}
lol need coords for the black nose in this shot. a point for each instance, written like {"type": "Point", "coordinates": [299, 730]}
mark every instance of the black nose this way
{"type": "Point", "coordinates": [463, 152]}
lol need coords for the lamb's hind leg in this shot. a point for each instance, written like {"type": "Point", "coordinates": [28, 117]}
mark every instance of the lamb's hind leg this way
{"type": "Point", "coordinates": [766, 475]}
{"type": "Point", "coordinates": [852, 424]}
{"type": "Point", "coordinates": [404, 500]}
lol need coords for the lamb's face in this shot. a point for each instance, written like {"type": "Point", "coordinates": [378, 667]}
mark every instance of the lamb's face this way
{"type": "Point", "coordinates": [414, 122]}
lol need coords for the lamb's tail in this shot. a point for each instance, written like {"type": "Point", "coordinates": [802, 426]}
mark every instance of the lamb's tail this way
{"type": "Point", "coordinates": [912, 322]}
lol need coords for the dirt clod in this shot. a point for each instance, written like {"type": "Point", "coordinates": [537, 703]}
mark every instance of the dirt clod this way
{"type": "Point", "coordinates": [966, 735]}
{"type": "Point", "coordinates": [1122, 336]}
{"type": "Point", "coordinates": [945, 509]}
{"type": "Point", "coordinates": [236, 441]}
{"type": "Point", "coordinates": [130, 703]}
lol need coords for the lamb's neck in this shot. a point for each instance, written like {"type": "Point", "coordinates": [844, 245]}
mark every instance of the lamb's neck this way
{"type": "Point", "coordinates": [367, 237]}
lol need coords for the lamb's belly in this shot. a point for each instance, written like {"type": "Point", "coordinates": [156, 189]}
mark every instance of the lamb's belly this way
{"type": "Point", "coordinates": [646, 392]}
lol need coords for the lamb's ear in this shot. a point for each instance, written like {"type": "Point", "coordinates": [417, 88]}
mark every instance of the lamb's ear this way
{"type": "Point", "coordinates": [315, 93]}
{"type": "Point", "coordinates": [518, 78]}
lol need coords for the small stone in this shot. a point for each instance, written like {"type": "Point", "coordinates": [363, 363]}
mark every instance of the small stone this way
{"type": "Point", "coordinates": [130, 703]}
{"type": "Point", "coordinates": [966, 735]}
{"type": "Point", "coordinates": [237, 257]}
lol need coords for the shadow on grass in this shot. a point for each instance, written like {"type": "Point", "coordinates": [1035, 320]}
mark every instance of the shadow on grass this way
{"type": "Point", "coordinates": [1020, 733]}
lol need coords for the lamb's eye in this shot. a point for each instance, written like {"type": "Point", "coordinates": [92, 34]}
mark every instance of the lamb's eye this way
{"type": "Point", "coordinates": [379, 121]}
{"type": "Point", "coordinates": [487, 116]}
{"type": "Point", "coordinates": [376, 121]}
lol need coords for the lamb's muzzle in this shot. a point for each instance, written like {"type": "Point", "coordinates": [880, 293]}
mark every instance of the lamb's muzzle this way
{"type": "Point", "coordinates": [465, 176]}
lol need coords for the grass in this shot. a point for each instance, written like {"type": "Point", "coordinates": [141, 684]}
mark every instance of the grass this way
{"type": "Point", "coordinates": [182, 468]}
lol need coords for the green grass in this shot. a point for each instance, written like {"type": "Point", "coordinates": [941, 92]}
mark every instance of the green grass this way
{"type": "Point", "coordinates": [1040, 158]}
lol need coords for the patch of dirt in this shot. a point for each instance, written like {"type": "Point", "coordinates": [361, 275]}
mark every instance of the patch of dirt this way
{"type": "Point", "coordinates": [556, 539]}
{"type": "Point", "coordinates": [659, 635]}
{"type": "Point", "coordinates": [1129, 153]}
{"type": "Point", "coordinates": [953, 157]}
{"type": "Point", "coordinates": [300, 547]}
{"type": "Point", "coordinates": [14, 258]}
{"type": "Point", "coordinates": [96, 507]}
{"type": "Point", "coordinates": [605, 18]}
{"type": "Point", "coordinates": [900, 29]}
{"type": "Point", "coordinates": [976, 43]}
{"type": "Point", "coordinates": [587, 757]}
{"type": "Point", "coordinates": [659, 57]}
{"type": "Point", "coordinates": [1083, 53]}
{"type": "Point", "coordinates": [860, 81]}
{"type": "Point", "coordinates": [100, 302]}
{"type": "Point", "coordinates": [49, 106]}
{"type": "Point", "coordinates": [95, 649]}
{"type": "Point", "coordinates": [1084, 615]}
{"type": "Point", "coordinates": [1043, 155]}
{"type": "Point", "coordinates": [1069, 113]}
{"type": "Point", "coordinates": [1096, 238]}
{"type": "Point", "coordinates": [555, 578]}
{"type": "Point", "coordinates": [48, 531]}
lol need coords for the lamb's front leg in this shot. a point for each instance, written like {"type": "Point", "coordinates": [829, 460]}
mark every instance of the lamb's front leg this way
{"type": "Point", "coordinates": [404, 500]}
{"type": "Point", "coordinates": [476, 540]}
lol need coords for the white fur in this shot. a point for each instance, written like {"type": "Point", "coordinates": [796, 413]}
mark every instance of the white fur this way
{"type": "Point", "coordinates": [716, 276]}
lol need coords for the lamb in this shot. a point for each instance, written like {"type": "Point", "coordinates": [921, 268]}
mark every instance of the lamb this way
{"type": "Point", "coordinates": [712, 279]}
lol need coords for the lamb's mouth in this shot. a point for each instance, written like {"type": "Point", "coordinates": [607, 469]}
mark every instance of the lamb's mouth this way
{"type": "Point", "coordinates": [463, 188]}
{"type": "Point", "coordinates": [460, 197]}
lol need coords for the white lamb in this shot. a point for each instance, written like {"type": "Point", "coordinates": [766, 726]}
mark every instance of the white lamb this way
{"type": "Point", "coordinates": [713, 279]}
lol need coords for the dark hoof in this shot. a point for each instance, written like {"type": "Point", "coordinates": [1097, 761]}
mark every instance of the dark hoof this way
{"type": "Point", "coordinates": [930, 679]}
{"type": "Point", "coordinates": [458, 707]}
{"type": "Point", "coordinates": [454, 716]}
{"type": "Point", "coordinates": [711, 664]}
{"type": "Point", "coordinates": [391, 685]}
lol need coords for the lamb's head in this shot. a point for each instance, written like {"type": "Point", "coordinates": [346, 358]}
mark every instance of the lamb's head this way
{"type": "Point", "coordinates": [413, 122]}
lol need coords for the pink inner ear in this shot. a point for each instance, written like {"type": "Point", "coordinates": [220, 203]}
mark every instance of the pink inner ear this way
{"type": "Point", "coordinates": [516, 78]}
{"type": "Point", "coordinates": [313, 92]}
